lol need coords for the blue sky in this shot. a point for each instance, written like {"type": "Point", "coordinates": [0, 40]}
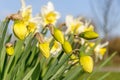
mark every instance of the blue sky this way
{"type": "Point", "coordinates": [65, 7]}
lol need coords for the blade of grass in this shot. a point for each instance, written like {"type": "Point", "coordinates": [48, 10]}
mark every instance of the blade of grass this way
{"type": "Point", "coordinates": [71, 74]}
{"type": "Point", "coordinates": [104, 76]}
{"type": "Point", "coordinates": [28, 75]}
{"type": "Point", "coordinates": [5, 25]}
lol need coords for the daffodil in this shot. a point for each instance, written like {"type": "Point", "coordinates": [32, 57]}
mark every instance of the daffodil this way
{"type": "Point", "coordinates": [100, 50]}
{"type": "Point", "coordinates": [20, 29]}
{"type": "Point", "coordinates": [44, 48]}
{"type": "Point", "coordinates": [89, 35]}
{"type": "Point", "coordinates": [9, 49]}
{"type": "Point", "coordinates": [49, 15]}
{"type": "Point", "coordinates": [67, 47]}
{"type": "Point", "coordinates": [87, 63]}
{"type": "Point", "coordinates": [58, 35]}
{"type": "Point", "coordinates": [73, 25]}
{"type": "Point", "coordinates": [27, 24]}
{"type": "Point", "coordinates": [55, 48]}
{"type": "Point", "coordinates": [43, 45]}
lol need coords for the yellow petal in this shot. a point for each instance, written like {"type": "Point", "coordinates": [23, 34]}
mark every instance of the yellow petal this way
{"type": "Point", "coordinates": [102, 51]}
{"type": "Point", "coordinates": [74, 58]}
{"type": "Point", "coordinates": [10, 50]}
{"type": "Point", "coordinates": [87, 63]}
{"type": "Point", "coordinates": [44, 48]}
{"type": "Point", "coordinates": [26, 13]}
{"type": "Point", "coordinates": [50, 18]}
{"type": "Point", "coordinates": [20, 30]}
{"type": "Point", "coordinates": [90, 28]}
{"type": "Point", "coordinates": [56, 47]}
{"type": "Point", "coordinates": [91, 44]}
{"type": "Point", "coordinates": [31, 27]}
{"type": "Point", "coordinates": [67, 47]}
{"type": "Point", "coordinates": [58, 35]}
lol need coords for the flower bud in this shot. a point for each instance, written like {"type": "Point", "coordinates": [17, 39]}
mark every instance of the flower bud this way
{"type": "Point", "coordinates": [44, 48]}
{"type": "Point", "coordinates": [87, 63]}
{"type": "Point", "coordinates": [9, 49]}
{"type": "Point", "coordinates": [89, 35]}
{"type": "Point", "coordinates": [67, 47]}
{"type": "Point", "coordinates": [58, 35]}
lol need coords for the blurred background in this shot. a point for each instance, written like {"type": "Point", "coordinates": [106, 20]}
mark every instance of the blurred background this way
{"type": "Point", "coordinates": [104, 14]}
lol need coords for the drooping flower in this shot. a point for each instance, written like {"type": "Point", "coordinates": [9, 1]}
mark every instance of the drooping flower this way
{"type": "Point", "coordinates": [9, 49]}
{"type": "Point", "coordinates": [87, 63]}
{"type": "Point", "coordinates": [100, 50]}
{"type": "Point", "coordinates": [27, 24]}
{"type": "Point", "coordinates": [67, 47]}
{"type": "Point", "coordinates": [56, 33]}
{"type": "Point", "coordinates": [49, 15]}
{"type": "Point", "coordinates": [55, 48]}
{"type": "Point", "coordinates": [44, 48]}
{"type": "Point", "coordinates": [43, 45]}
{"type": "Point", "coordinates": [20, 29]}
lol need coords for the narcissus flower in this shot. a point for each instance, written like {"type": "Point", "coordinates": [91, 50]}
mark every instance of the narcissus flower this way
{"type": "Point", "coordinates": [49, 15]}
{"type": "Point", "coordinates": [100, 50]}
{"type": "Point", "coordinates": [20, 29]}
{"type": "Point", "coordinates": [55, 48]}
{"type": "Point", "coordinates": [27, 24]}
{"type": "Point", "coordinates": [87, 63]}
{"type": "Point", "coordinates": [9, 49]}
{"type": "Point", "coordinates": [44, 48]}
{"type": "Point", "coordinates": [89, 35]}
{"type": "Point", "coordinates": [67, 47]}
{"type": "Point", "coordinates": [43, 45]}
{"type": "Point", "coordinates": [58, 35]}
{"type": "Point", "coordinates": [73, 25]}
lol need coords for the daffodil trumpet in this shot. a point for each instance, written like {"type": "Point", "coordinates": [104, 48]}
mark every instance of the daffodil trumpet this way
{"type": "Point", "coordinates": [44, 46]}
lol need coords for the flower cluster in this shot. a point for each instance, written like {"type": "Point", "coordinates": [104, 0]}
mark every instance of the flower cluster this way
{"type": "Point", "coordinates": [75, 41]}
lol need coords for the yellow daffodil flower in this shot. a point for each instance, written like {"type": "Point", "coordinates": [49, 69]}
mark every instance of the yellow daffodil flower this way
{"type": "Point", "coordinates": [20, 29]}
{"type": "Point", "coordinates": [9, 49]}
{"type": "Point", "coordinates": [100, 50]}
{"type": "Point", "coordinates": [73, 25]}
{"type": "Point", "coordinates": [89, 35]}
{"type": "Point", "coordinates": [27, 24]}
{"type": "Point", "coordinates": [67, 47]}
{"type": "Point", "coordinates": [44, 48]}
{"type": "Point", "coordinates": [55, 48]}
{"type": "Point", "coordinates": [58, 35]}
{"type": "Point", "coordinates": [49, 15]}
{"type": "Point", "coordinates": [87, 63]}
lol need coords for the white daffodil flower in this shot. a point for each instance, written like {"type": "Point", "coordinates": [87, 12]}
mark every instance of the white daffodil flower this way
{"type": "Point", "coordinates": [76, 26]}
{"type": "Point", "coordinates": [73, 25]}
{"type": "Point", "coordinates": [100, 50]}
{"type": "Point", "coordinates": [55, 48]}
{"type": "Point", "coordinates": [49, 15]}
{"type": "Point", "coordinates": [31, 22]}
